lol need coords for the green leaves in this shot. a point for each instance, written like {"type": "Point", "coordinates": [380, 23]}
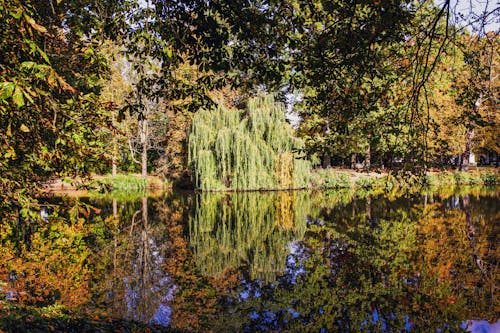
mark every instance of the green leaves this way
{"type": "Point", "coordinates": [12, 91]}
{"type": "Point", "coordinates": [10, 154]}
{"type": "Point", "coordinates": [6, 89]}
{"type": "Point", "coordinates": [35, 49]}
{"type": "Point", "coordinates": [38, 74]}
{"type": "Point", "coordinates": [17, 97]}
{"type": "Point", "coordinates": [16, 13]}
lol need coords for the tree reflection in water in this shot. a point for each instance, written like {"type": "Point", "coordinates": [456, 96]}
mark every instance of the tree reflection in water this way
{"type": "Point", "coordinates": [253, 231]}
{"type": "Point", "coordinates": [335, 261]}
{"type": "Point", "coordinates": [137, 286]}
{"type": "Point", "coordinates": [379, 265]}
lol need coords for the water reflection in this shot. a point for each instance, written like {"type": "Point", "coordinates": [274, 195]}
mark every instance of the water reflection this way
{"type": "Point", "coordinates": [246, 231]}
{"type": "Point", "coordinates": [335, 261]}
{"type": "Point", "coordinates": [137, 286]}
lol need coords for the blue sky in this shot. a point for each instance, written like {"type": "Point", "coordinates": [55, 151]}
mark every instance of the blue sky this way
{"type": "Point", "coordinates": [468, 12]}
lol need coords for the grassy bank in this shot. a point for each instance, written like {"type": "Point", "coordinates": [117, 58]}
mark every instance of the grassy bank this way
{"type": "Point", "coordinates": [107, 183]}
{"type": "Point", "coordinates": [127, 182]}
{"type": "Point", "coordinates": [342, 178]}
{"type": "Point", "coordinates": [330, 178]}
{"type": "Point", "coordinates": [318, 179]}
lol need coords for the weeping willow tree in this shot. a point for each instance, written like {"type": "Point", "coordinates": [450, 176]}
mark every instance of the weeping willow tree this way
{"type": "Point", "coordinates": [230, 149]}
{"type": "Point", "coordinates": [228, 231]}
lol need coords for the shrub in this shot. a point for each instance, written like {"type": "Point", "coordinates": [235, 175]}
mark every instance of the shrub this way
{"type": "Point", "coordinates": [490, 178]}
{"type": "Point", "coordinates": [461, 177]}
{"type": "Point", "coordinates": [365, 182]}
{"type": "Point", "coordinates": [120, 182]}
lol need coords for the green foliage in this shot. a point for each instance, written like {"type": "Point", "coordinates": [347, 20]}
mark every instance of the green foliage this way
{"type": "Point", "coordinates": [490, 178]}
{"type": "Point", "coordinates": [365, 183]}
{"type": "Point", "coordinates": [461, 178]}
{"type": "Point", "coordinates": [59, 319]}
{"type": "Point", "coordinates": [120, 183]}
{"type": "Point", "coordinates": [250, 150]}
{"type": "Point", "coordinates": [254, 229]}
{"type": "Point", "coordinates": [128, 196]}
{"type": "Point", "coordinates": [337, 179]}
{"type": "Point", "coordinates": [329, 178]}
{"type": "Point", "coordinates": [49, 108]}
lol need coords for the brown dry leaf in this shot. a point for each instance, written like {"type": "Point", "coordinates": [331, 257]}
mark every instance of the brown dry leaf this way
{"type": "Point", "coordinates": [34, 25]}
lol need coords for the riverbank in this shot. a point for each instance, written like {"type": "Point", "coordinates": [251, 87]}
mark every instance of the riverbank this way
{"type": "Point", "coordinates": [345, 178]}
{"type": "Point", "coordinates": [331, 178]}
{"type": "Point", "coordinates": [104, 183]}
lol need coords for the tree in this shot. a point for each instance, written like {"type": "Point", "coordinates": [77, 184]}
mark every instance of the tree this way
{"type": "Point", "coordinates": [478, 92]}
{"type": "Point", "coordinates": [246, 150]}
{"type": "Point", "coordinates": [150, 123]}
{"type": "Point", "coordinates": [462, 98]}
{"type": "Point", "coordinates": [48, 95]}
{"type": "Point", "coordinates": [116, 89]}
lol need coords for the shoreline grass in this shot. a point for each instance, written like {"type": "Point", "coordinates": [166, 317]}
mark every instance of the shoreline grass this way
{"type": "Point", "coordinates": [342, 178]}
{"type": "Point", "coordinates": [320, 179]}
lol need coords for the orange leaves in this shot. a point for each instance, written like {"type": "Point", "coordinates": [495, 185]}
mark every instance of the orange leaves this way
{"type": "Point", "coordinates": [56, 81]}
{"type": "Point", "coordinates": [85, 210]}
{"type": "Point", "coordinates": [33, 24]}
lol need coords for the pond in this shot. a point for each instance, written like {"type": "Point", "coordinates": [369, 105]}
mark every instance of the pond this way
{"type": "Point", "coordinates": [331, 261]}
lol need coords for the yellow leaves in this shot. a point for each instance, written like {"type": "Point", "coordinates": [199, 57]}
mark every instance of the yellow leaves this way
{"type": "Point", "coordinates": [24, 128]}
{"type": "Point", "coordinates": [11, 153]}
{"type": "Point", "coordinates": [51, 79]}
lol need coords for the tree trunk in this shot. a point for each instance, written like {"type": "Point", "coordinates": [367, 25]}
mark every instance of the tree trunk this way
{"type": "Point", "coordinates": [144, 160]}
{"type": "Point", "coordinates": [115, 149]}
{"type": "Point", "coordinates": [113, 170]}
{"type": "Point", "coordinates": [144, 153]}
{"type": "Point", "coordinates": [368, 157]}
{"type": "Point", "coordinates": [327, 161]}
{"type": "Point", "coordinates": [471, 233]}
{"type": "Point", "coordinates": [115, 208]}
{"type": "Point", "coordinates": [469, 139]}
{"type": "Point", "coordinates": [144, 202]}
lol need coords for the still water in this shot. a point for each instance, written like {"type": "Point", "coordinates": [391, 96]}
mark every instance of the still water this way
{"type": "Point", "coordinates": [334, 261]}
